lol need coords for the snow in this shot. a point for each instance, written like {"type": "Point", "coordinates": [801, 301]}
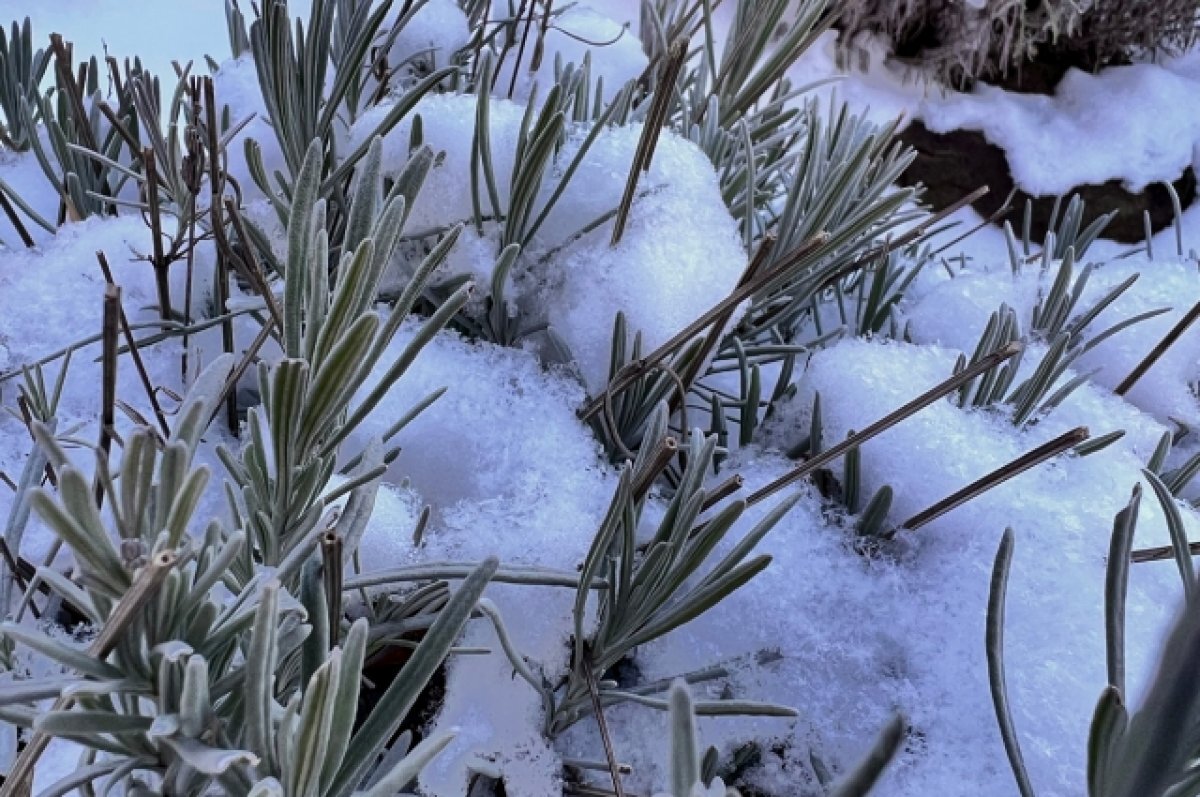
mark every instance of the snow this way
{"type": "Point", "coordinates": [430, 39]}
{"type": "Point", "coordinates": [447, 125]}
{"type": "Point", "coordinates": [235, 86]}
{"type": "Point", "coordinates": [955, 312]}
{"type": "Point", "coordinates": [1134, 123]}
{"type": "Point", "coordinates": [501, 457]}
{"type": "Point", "coordinates": [680, 254]}
{"type": "Point", "coordinates": [506, 466]}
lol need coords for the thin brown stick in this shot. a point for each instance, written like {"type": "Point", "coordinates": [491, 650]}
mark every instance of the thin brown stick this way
{"type": "Point", "coordinates": [1045, 451]}
{"type": "Point", "coordinates": [1160, 553]}
{"type": "Point", "coordinates": [193, 172]}
{"type": "Point", "coordinates": [243, 365]}
{"type": "Point", "coordinates": [761, 256]}
{"type": "Point", "coordinates": [135, 353]}
{"type": "Point", "coordinates": [651, 130]}
{"type": "Point", "coordinates": [887, 422]}
{"type": "Point", "coordinates": [903, 239]}
{"type": "Point", "coordinates": [992, 219]}
{"type": "Point", "coordinates": [158, 258]}
{"type": "Point", "coordinates": [27, 419]}
{"type": "Point", "coordinates": [221, 288]}
{"type": "Point", "coordinates": [109, 332]}
{"type": "Point", "coordinates": [15, 220]}
{"type": "Point", "coordinates": [332, 572]}
{"type": "Point", "coordinates": [666, 451]}
{"type": "Point", "coordinates": [144, 587]}
{"type": "Point", "coordinates": [15, 568]}
{"type": "Point", "coordinates": [512, 84]}
{"type": "Point", "coordinates": [636, 369]}
{"type": "Point", "coordinates": [1159, 350]}
{"type": "Point", "coordinates": [723, 491]}
{"type": "Point", "coordinates": [252, 271]}
{"type": "Point", "coordinates": [62, 65]}
{"type": "Point", "coordinates": [614, 768]}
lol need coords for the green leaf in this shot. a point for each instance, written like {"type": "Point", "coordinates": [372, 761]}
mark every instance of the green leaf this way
{"type": "Point", "coordinates": [863, 778]}
{"type": "Point", "coordinates": [345, 702]}
{"type": "Point", "coordinates": [685, 757]}
{"type": "Point", "coordinates": [1179, 540]}
{"type": "Point", "coordinates": [66, 655]}
{"type": "Point", "coordinates": [1104, 740]}
{"type": "Point", "coordinates": [208, 760]}
{"type": "Point", "coordinates": [995, 660]}
{"type": "Point", "coordinates": [409, 767]}
{"type": "Point", "coordinates": [83, 723]}
{"type": "Point", "coordinates": [396, 702]}
{"type": "Point", "coordinates": [260, 676]}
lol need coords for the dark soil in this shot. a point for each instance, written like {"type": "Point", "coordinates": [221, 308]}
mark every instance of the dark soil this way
{"type": "Point", "coordinates": [951, 165]}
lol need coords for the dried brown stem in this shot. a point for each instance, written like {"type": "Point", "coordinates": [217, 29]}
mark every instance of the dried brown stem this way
{"type": "Point", "coordinates": [723, 491]}
{"type": "Point", "coordinates": [135, 354]}
{"type": "Point", "coordinates": [243, 365]}
{"type": "Point", "coordinates": [62, 65]}
{"type": "Point", "coordinates": [651, 130]}
{"type": "Point", "coordinates": [27, 419]}
{"type": "Point", "coordinates": [1160, 553]}
{"type": "Point", "coordinates": [1048, 450]}
{"type": "Point", "coordinates": [109, 332]}
{"type": "Point", "coordinates": [635, 370]}
{"type": "Point", "coordinates": [252, 271]}
{"type": "Point", "coordinates": [1159, 350]}
{"type": "Point", "coordinates": [761, 256]}
{"type": "Point", "coordinates": [614, 767]}
{"type": "Point", "coordinates": [15, 220]}
{"type": "Point", "coordinates": [666, 451]}
{"type": "Point", "coordinates": [332, 572]}
{"type": "Point", "coordinates": [221, 288]}
{"type": "Point", "coordinates": [887, 422]}
{"type": "Point", "coordinates": [158, 258]}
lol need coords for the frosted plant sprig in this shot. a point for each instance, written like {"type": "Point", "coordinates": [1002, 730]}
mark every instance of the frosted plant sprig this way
{"type": "Point", "coordinates": [1064, 232]}
{"type": "Point", "coordinates": [85, 184]}
{"type": "Point", "coordinates": [21, 72]}
{"type": "Point", "coordinates": [292, 65]}
{"type": "Point", "coordinates": [1057, 320]}
{"type": "Point", "coordinates": [655, 588]}
{"type": "Point", "coordinates": [840, 187]}
{"type": "Point", "coordinates": [541, 135]}
{"type": "Point", "coordinates": [167, 169]}
{"type": "Point", "coordinates": [185, 690]}
{"type": "Point", "coordinates": [1175, 480]}
{"type": "Point", "coordinates": [871, 522]}
{"type": "Point", "coordinates": [332, 339]}
{"type": "Point", "coordinates": [865, 301]}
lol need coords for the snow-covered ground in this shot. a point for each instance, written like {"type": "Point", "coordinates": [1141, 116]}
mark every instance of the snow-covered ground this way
{"type": "Point", "coordinates": [508, 468]}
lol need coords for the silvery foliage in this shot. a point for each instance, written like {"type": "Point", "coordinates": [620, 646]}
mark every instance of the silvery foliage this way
{"type": "Point", "coordinates": [214, 666]}
{"type": "Point", "coordinates": [332, 341]}
{"type": "Point", "coordinates": [1151, 750]}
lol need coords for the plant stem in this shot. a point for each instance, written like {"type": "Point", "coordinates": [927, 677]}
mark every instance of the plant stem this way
{"type": "Point", "coordinates": [1159, 350]}
{"type": "Point", "coordinates": [108, 380]}
{"type": "Point", "coordinates": [135, 353]}
{"type": "Point", "coordinates": [651, 130]}
{"type": "Point", "coordinates": [997, 477]}
{"type": "Point", "coordinates": [888, 421]}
